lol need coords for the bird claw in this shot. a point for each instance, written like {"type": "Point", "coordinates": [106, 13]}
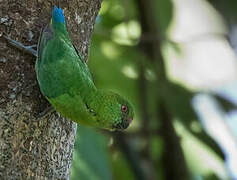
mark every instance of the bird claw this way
{"type": "Point", "coordinates": [44, 113]}
{"type": "Point", "coordinates": [31, 47]}
{"type": "Point", "coordinates": [20, 46]}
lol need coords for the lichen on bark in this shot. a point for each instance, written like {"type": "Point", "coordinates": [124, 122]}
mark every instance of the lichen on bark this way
{"type": "Point", "coordinates": [32, 148]}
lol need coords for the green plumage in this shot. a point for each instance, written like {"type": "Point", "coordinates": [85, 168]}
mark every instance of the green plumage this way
{"type": "Point", "coordinates": [65, 80]}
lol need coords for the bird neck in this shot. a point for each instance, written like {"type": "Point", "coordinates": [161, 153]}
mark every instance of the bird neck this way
{"type": "Point", "coordinates": [94, 99]}
{"type": "Point", "coordinates": [88, 92]}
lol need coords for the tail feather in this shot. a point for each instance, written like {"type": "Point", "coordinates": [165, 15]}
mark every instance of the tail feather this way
{"type": "Point", "coordinates": [57, 15]}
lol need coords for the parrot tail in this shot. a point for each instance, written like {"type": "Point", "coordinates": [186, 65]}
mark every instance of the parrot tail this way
{"type": "Point", "coordinates": [57, 16]}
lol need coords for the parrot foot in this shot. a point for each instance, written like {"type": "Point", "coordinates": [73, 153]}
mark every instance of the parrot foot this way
{"type": "Point", "coordinates": [45, 113]}
{"type": "Point", "coordinates": [20, 46]}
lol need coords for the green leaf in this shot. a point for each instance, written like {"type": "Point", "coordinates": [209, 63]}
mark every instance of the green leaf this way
{"type": "Point", "coordinates": [90, 160]}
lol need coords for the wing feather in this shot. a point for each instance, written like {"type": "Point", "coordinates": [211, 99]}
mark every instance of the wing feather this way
{"type": "Point", "coordinates": [45, 35]}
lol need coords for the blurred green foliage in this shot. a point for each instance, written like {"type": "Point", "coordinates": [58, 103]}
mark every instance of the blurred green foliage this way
{"type": "Point", "coordinates": [115, 62]}
{"type": "Point", "coordinates": [90, 159]}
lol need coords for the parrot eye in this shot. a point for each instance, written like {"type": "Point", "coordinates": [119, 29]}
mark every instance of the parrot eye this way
{"type": "Point", "coordinates": [124, 108]}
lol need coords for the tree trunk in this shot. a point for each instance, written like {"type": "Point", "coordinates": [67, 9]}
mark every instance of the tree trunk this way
{"type": "Point", "coordinates": [33, 148]}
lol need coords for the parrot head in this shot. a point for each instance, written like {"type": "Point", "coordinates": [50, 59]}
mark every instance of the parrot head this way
{"type": "Point", "coordinates": [114, 112]}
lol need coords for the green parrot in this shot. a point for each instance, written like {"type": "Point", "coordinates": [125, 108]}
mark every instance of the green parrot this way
{"type": "Point", "coordinates": [65, 80]}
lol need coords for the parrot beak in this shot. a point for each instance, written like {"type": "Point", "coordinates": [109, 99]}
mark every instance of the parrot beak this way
{"type": "Point", "coordinates": [123, 125]}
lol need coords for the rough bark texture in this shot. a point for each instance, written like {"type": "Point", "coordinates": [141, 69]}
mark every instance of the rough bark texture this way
{"type": "Point", "coordinates": [32, 148]}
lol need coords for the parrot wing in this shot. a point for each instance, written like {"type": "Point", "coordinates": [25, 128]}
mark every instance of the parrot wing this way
{"type": "Point", "coordinates": [45, 35]}
{"type": "Point", "coordinates": [60, 68]}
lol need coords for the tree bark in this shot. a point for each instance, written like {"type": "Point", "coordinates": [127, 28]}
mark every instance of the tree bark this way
{"type": "Point", "coordinates": [33, 148]}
